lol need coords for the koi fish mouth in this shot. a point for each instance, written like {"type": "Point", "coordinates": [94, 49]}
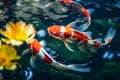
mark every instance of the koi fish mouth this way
{"type": "Point", "coordinates": [49, 32]}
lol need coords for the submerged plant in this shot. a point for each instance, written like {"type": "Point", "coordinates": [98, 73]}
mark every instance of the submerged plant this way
{"type": "Point", "coordinates": [17, 33]}
{"type": "Point", "coordinates": [8, 57]}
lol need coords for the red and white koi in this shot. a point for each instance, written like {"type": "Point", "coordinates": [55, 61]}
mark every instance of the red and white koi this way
{"type": "Point", "coordinates": [81, 39]}
{"type": "Point", "coordinates": [40, 54]}
{"type": "Point", "coordinates": [80, 9]}
{"type": "Point", "coordinates": [69, 34]}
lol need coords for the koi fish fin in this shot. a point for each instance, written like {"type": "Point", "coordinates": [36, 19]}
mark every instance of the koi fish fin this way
{"type": "Point", "coordinates": [79, 28]}
{"type": "Point", "coordinates": [88, 33]}
{"type": "Point", "coordinates": [82, 48]}
{"type": "Point", "coordinates": [78, 67]}
{"type": "Point", "coordinates": [68, 46]}
{"type": "Point", "coordinates": [98, 40]}
{"type": "Point", "coordinates": [74, 67]}
{"type": "Point", "coordinates": [33, 61]}
{"type": "Point", "coordinates": [59, 65]}
{"type": "Point", "coordinates": [109, 36]}
{"type": "Point", "coordinates": [72, 24]}
{"type": "Point", "coordinates": [26, 51]}
{"type": "Point", "coordinates": [92, 49]}
{"type": "Point", "coordinates": [82, 27]}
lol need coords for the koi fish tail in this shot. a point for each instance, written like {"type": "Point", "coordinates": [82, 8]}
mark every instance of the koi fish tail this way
{"type": "Point", "coordinates": [84, 12]}
{"type": "Point", "coordinates": [59, 65]}
{"type": "Point", "coordinates": [73, 67]}
{"type": "Point", "coordinates": [79, 68]}
{"type": "Point", "coordinates": [109, 36]}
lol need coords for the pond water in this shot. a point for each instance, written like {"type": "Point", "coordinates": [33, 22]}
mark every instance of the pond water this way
{"type": "Point", "coordinates": [104, 64]}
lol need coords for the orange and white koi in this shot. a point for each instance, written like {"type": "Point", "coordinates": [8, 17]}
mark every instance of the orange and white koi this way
{"type": "Point", "coordinates": [40, 54]}
{"type": "Point", "coordinates": [75, 35]}
{"type": "Point", "coordinates": [80, 9]}
{"type": "Point", "coordinates": [81, 39]}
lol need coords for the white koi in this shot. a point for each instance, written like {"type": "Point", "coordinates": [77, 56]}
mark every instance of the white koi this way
{"type": "Point", "coordinates": [39, 53]}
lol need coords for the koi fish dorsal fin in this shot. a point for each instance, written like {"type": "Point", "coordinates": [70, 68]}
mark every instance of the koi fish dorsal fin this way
{"type": "Point", "coordinates": [82, 27]}
{"type": "Point", "coordinates": [88, 33]}
{"type": "Point", "coordinates": [72, 24]}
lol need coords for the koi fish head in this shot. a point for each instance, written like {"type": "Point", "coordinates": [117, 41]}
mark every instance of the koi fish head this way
{"type": "Point", "coordinates": [55, 31]}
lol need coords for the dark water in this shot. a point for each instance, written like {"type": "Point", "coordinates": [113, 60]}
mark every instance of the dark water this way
{"type": "Point", "coordinates": [105, 64]}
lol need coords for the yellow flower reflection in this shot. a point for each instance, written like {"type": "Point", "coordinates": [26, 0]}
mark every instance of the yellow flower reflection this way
{"type": "Point", "coordinates": [17, 33]}
{"type": "Point", "coordinates": [8, 57]}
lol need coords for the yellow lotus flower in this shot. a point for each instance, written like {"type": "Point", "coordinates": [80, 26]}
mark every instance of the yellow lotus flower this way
{"type": "Point", "coordinates": [17, 33]}
{"type": "Point", "coordinates": [8, 57]}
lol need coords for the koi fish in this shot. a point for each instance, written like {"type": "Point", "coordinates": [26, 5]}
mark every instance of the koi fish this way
{"type": "Point", "coordinates": [82, 39]}
{"type": "Point", "coordinates": [76, 35]}
{"type": "Point", "coordinates": [83, 11]}
{"type": "Point", "coordinates": [40, 54]}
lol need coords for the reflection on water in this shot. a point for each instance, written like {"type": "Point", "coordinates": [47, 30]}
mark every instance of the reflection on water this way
{"type": "Point", "coordinates": [47, 9]}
